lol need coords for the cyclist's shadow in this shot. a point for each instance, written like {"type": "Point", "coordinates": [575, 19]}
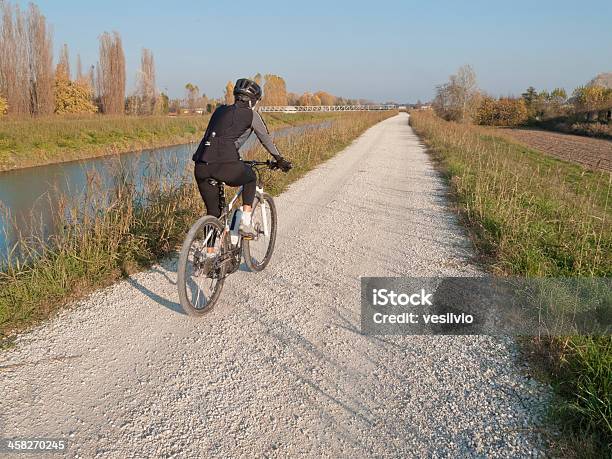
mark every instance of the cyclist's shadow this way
{"type": "Point", "coordinates": [165, 302]}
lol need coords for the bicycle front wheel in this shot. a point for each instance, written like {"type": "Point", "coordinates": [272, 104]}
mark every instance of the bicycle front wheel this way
{"type": "Point", "coordinates": [201, 276]}
{"type": "Point", "coordinates": [258, 251]}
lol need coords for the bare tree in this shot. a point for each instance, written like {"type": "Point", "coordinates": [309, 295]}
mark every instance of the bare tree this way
{"type": "Point", "coordinates": [111, 74]}
{"type": "Point", "coordinates": [458, 99]}
{"type": "Point", "coordinates": [229, 93]}
{"type": "Point", "coordinates": [147, 91]}
{"type": "Point", "coordinates": [79, 71]}
{"type": "Point", "coordinates": [40, 51]}
{"type": "Point", "coordinates": [275, 91]}
{"type": "Point", "coordinates": [14, 68]}
{"type": "Point", "coordinates": [193, 92]}
{"type": "Point", "coordinates": [91, 77]}
{"type": "Point", "coordinates": [63, 63]}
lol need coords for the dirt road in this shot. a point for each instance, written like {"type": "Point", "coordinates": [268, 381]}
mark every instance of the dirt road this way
{"type": "Point", "coordinates": [280, 367]}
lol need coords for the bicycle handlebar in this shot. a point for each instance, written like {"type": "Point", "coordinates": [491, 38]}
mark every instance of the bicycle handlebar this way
{"type": "Point", "coordinates": [268, 163]}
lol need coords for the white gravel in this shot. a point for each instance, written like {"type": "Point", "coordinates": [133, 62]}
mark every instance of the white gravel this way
{"type": "Point", "coordinates": [280, 367]}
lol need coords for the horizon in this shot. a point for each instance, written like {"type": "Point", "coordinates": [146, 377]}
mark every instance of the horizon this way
{"type": "Point", "coordinates": [321, 46]}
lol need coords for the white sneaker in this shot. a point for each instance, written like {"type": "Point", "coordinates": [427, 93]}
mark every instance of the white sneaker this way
{"type": "Point", "coordinates": [247, 231]}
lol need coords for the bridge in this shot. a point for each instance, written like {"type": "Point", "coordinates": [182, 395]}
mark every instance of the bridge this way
{"type": "Point", "coordinates": [326, 108]}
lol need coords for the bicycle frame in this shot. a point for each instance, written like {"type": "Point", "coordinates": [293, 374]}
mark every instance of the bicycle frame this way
{"type": "Point", "coordinates": [227, 208]}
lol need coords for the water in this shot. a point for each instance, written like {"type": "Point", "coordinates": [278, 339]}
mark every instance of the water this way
{"type": "Point", "coordinates": [32, 195]}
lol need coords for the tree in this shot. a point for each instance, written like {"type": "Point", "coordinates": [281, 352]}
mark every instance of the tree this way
{"type": "Point", "coordinates": [307, 99]}
{"type": "Point", "coordinates": [14, 69]}
{"type": "Point", "coordinates": [26, 60]}
{"type": "Point", "coordinates": [146, 91]}
{"type": "Point", "coordinates": [40, 51]}
{"type": "Point", "coordinates": [293, 98]}
{"type": "Point", "coordinates": [3, 106]}
{"type": "Point", "coordinates": [559, 95]}
{"type": "Point", "coordinates": [275, 91]}
{"type": "Point", "coordinates": [174, 106]}
{"type": "Point", "coordinates": [458, 99]}
{"type": "Point", "coordinates": [91, 79]}
{"type": "Point", "coordinates": [162, 104]}
{"type": "Point", "coordinates": [530, 96]}
{"type": "Point", "coordinates": [504, 111]}
{"type": "Point", "coordinates": [592, 98]}
{"type": "Point", "coordinates": [79, 74]}
{"type": "Point", "coordinates": [229, 93]}
{"type": "Point", "coordinates": [72, 96]}
{"type": "Point", "coordinates": [63, 64]}
{"type": "Point", "coordinates": [193, 93]}
{"type": "Point", "coordinates": [111, 74]}
{"type": "Point", "coordinates": [326, 98]}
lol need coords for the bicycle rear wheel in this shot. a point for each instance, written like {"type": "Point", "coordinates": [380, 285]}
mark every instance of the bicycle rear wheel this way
{"type": "Point", "coordinates": [200, 278]}
{"type": "Point", "coordinates": [258, 251]}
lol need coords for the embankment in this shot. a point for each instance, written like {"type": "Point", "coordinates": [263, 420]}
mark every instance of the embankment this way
{"type": "Point", "coordinates": [31, 142]}
{"type": "Point", "coordinates": [532, 215]}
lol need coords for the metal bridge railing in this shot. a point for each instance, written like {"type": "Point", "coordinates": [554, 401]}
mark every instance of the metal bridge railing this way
{"type": "Point", "coordinates": [325, 108]}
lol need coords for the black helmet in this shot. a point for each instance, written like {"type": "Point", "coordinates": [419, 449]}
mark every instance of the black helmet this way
{"type": "Point", "coordinates": [246, 89]}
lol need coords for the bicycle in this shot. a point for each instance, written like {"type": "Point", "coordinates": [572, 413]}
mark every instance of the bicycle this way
{"type": "Point", "coordinates": [221, 237]}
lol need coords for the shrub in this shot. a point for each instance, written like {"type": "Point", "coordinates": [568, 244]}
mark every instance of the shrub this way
{"type": "Point", "coordinates": [73, 96]}
{"type": "Point", "coordinates": [592, 98]}
{"type": "Point", "coordinates": [3, 106]}
{"type": "Point", "coordinates": [504, 111]}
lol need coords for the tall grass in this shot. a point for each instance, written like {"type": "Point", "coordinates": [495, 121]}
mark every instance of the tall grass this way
{"type": "Point", "coordinates": [128, 228]}
{"type": "Point", "coordinates": [536, 216]}
{"type": "Point", "coordinates": [26, 142]}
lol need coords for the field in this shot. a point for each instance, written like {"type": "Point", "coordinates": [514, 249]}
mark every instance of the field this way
{"type": "Point", "coordinates": [590, 152]}
{"type": "Point", "coordinates": [533, 215]}
{"type": "Point", "coordinates": [137, 228]}
{"type": "Point", "coordinates": [36, 141]}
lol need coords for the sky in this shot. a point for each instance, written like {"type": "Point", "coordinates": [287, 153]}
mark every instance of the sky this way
{"type": "Point", "coordinates": [380, 50]}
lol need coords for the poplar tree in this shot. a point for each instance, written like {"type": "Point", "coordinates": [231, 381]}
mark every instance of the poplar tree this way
{"type": "Point", "coordinates": [111, 74]}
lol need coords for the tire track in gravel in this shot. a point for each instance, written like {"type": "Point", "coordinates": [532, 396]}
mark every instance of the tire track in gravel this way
{"type": "Point", "coordinates": [279, 367]}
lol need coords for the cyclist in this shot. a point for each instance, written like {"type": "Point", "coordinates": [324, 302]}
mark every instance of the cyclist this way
{"type": "Point", "coordinates": [218, 157]}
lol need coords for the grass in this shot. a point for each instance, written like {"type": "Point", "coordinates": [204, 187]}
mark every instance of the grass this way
{"type": "Point", "coordinates": [127, 228]}
{"type": "Point", "coordinates": [532, 215]}
{"type": "Point", "coordinates": [30, 142]}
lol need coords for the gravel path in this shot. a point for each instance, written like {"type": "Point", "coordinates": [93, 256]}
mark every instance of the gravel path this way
{"type": "Point", "coordinates": [280, 368]}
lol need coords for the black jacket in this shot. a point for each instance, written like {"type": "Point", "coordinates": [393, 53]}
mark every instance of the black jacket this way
{"type": "Point", "coordinates": [228, 129]}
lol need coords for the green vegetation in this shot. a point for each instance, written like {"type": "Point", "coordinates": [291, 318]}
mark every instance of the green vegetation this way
{"type": "Point", "coordinates": [35, 141]}
{"type": "Point", "coordinates": [130, 229]}
{"type": "Point", "coordinates": [536, 216]}
{"type": "Point", "coordinates": [3, 106]}
{"type": "Point", "coordinates": [587, 112]}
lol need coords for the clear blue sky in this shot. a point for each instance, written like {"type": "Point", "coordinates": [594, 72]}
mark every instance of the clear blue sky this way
{"type": "Point", "coordinates": [377, 49]}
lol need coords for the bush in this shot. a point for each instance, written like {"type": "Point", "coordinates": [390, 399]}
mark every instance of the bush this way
{"type": "Point", "coordinates": [502, 112]}
{"type": "Point", "coordinates": [73, 97]}
{"type": "Point", "coordinates": [3, 106]}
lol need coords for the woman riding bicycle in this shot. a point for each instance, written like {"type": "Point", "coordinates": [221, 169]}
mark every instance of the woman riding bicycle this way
{"type": "Point", "coordinates": [217, 157]}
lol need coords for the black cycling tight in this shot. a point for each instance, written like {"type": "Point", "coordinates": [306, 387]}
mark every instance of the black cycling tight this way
{"type": "Point", "coordinates": [235, 173]}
